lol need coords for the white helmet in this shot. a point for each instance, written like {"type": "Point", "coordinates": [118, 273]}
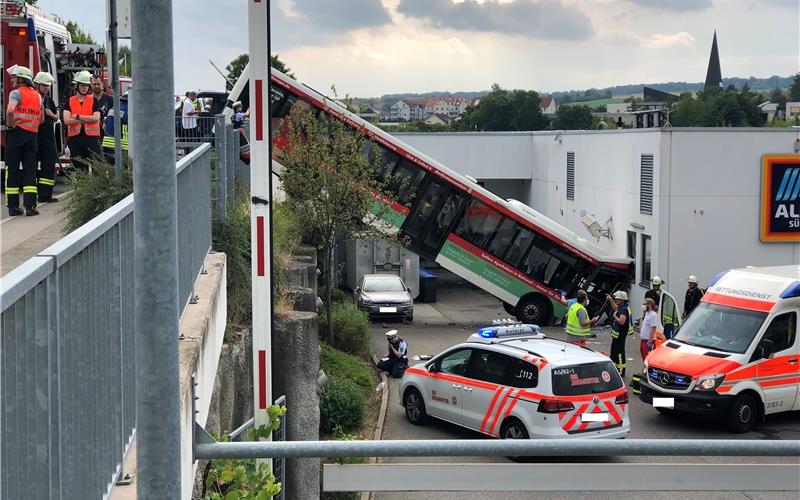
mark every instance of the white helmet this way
{"type": "Point", "coordinates": [391, 333]}
{"type": "Point", "coordinates": [657, 281]}
{"type": "Point", "coordinates": [43, 78]}
{"type": "Point", "coordinates": [620, 295]}
{"type": "Point", "coordinates": [693, 279]}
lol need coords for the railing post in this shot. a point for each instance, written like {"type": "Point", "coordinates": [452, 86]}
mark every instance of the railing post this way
{"type": "Point", "coordinates": [233, 157]}
{"type": "Point", "coordinates": [221, 168]}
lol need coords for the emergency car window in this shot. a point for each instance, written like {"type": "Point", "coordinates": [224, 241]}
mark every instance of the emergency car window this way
{"type": "Point", "coordinates": [722, 328]}
{"type": "Point", "coordinates": [455, 362]}
{"type": "Point", "coordinates": [523, 374]}
{"type": "Point", "coordinates": [590, 378]}
{"type": "Point", "coordinates": [489, 366]}
{"type": "Point", "coordinates": [782, 331]}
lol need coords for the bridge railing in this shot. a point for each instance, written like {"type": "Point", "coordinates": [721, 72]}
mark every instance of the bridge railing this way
{"type": "Point", "coordinates": [67, 357]}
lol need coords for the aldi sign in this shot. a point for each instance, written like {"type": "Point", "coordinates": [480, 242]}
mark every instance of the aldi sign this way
{"type": "Point", "coordinates": [780, 198]}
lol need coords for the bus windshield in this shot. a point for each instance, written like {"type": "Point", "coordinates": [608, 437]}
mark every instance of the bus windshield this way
{"type": "Point", "coordinates": [721, 328]}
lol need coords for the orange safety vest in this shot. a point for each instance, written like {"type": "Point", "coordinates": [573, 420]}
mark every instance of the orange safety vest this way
{"type": "Point", "coordinates": [28, 113]}
{"type": "Point", "coordinates": [85, 109]}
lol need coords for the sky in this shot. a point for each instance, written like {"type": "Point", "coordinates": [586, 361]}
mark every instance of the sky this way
{"type": "Point", "coordinates": [367, 48]}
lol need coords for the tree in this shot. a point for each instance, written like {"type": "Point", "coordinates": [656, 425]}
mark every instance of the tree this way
{"type": "Point", "coordinates": [502, 110]}
{"type": "Point", "coordinates": [778, 96]}
{"type": "Point", "coordinates": [794, 89]}
{"type": "Point", "coordinates": [235, 68]}
{"type": "Point", "coordinates": [77, 34]}
{"type": "Point", "coordinates": [125, 56]}
{"type": "Point", "coordinates": [573, 117]}
{"type": "Point", "coordinates": [715, 107]}
{"type": "Point", "coordinates": [331, 185]}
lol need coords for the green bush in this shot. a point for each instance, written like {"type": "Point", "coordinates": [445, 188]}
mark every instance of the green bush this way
{"type": "Point", "coordinates": [350, 330]}
{"type": "Point", "coordinates": [93, 193]}
{"type": "Point", "coordinates": [341, 404]}
{"type": "Point", "coordinates": [233, 238]}
{"type": "Point", "coordinates": [338, 296]}
{"type": "Point", "coordinates": [340, 365]}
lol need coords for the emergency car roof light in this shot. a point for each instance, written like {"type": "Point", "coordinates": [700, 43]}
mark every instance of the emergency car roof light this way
{"type": "Point", "coordinates": [791, 291]}
{"type": "Point", "coordinates": [491, 333]}
{"type": "Point", "coordinates": [716, 278]}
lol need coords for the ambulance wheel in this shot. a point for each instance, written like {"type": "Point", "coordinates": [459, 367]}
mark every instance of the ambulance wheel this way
{"type": "Point", "coordinates": [415, 407]}
{"type": "Point", "coordinates": [742, 414]}
{"type": "Point", "coordinates": [533, 311]}
{"type": "Point", "coordinates": [514, 429]}
{"type": "Point", "coordinates": [510, 309]}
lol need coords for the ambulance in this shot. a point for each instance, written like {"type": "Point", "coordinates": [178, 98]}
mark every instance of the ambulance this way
{"type": "Point", "coordinates": [737, 355]}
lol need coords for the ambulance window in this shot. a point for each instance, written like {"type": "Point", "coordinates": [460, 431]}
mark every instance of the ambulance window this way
{"type": "Point", "coordinates": [523, 374]}
{"type": "Point", "coordinates": [489, 366]}
{"type": "Point", "coordinates": [782, 331]}
{"type": "Point", "coordinates": [455, 362]}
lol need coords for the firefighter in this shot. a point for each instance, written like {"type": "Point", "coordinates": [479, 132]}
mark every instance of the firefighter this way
{"type": "Point", "coordinates": [23, 115]}
{"type": "Point", "coordinates": [82, 118]}
{"type": "Point", "coordinates": [693, 296]}
{"type": "Point", "coordinates": [396, 361]}
{"type": "Point", "coordinates": [578, 323]}
{"type": "Point", "coordinates": [620, 329]}
{"type": "Point", "coordinates": [48, 152]}
{"type": "Point", "coordinates": [110, 134]}
{"type": "Point", "coordinates": [655, 292]}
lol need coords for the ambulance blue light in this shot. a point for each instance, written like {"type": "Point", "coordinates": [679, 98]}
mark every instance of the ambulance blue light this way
{"type": "Point", "coordinates": [488, 333]}
{"type": "Point", "coordinates": [791, 291]}
{"type": "Point", "coordinates": [717, 278]}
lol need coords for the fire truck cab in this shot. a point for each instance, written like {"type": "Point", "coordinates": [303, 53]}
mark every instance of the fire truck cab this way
{"type": "Point", "coordinates": [737, 355]}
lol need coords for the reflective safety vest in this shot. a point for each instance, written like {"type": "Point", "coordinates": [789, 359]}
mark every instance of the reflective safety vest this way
{"type": "Point", "coordinates": [85, 109]}
{"type": "Point", "coordinates": [28, 113]}
{"type": "Point", "coordinates": [574, 323]}
{"type": "Point", "coordinates": [630, 331]}
{"type": "Point", "coordinates": [108, 140]}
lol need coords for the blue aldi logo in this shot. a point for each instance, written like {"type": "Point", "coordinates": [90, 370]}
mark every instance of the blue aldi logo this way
{"type": "Point", "coordinates": [780, 198]}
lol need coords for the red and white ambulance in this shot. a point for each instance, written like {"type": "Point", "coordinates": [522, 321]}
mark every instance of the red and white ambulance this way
{"type": "Point", "coordinates": [737, 356]}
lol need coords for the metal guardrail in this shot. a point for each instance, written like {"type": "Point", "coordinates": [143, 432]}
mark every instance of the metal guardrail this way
{"type": "Point", "coordinates": [67, 357]}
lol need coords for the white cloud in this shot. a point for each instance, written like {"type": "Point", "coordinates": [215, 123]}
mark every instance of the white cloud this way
{"type": "Point", "coordinates": [660, 41]}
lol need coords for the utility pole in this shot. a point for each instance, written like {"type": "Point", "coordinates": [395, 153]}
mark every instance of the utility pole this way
{"type": "Point", "coordinates": [261, 209]}
{"type": "Point", "coordinates": [158, 431]}
{"type": "Point", "coordinates": [114, 42]}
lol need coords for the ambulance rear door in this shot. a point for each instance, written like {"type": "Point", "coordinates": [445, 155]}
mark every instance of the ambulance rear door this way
{"type": "Point", "coordinates": [778, 371]}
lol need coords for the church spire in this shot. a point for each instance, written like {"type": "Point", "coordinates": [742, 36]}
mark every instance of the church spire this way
{"type": "Point", "coordinates": [714, 73]}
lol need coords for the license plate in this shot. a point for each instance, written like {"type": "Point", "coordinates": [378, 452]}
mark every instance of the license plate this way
{"type": "Point", "coordinates": [594, 417]}
{"type": "Point", "coordinates": [388, 309]}
{"type": "Point", "coordinates": [664, 402]}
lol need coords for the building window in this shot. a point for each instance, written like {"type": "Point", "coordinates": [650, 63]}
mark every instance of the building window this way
{"type": "Point", "coordinates": [646, 190]}
{"type": "Point", "coordinates": [631, 244]}
{"type": "Point", "coordinates": [571, 176]}
{"type": "Point", "coordinates": [647, 248]}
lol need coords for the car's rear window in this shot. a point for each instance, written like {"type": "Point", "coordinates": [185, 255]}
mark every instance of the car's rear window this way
{"type": "Point", "coordinates": [589, 378]}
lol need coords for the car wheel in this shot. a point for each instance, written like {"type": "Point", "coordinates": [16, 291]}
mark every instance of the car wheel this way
{"type": "Point", "coordinates": [742, 414]}
{"type": "Point", "coordinates": [415, 407]}
{"type": "Point", "coordinates": [514, 429]}
{"type": "Point", "coordinates": [510, 309]}
{"type": "Point", "coordinates": [533, 310]}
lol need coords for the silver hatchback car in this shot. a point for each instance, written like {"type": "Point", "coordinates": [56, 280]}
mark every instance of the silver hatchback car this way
{"type": "Point", "coordinates": [384, 295]}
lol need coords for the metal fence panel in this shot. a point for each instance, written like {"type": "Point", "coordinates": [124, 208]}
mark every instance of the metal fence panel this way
{"type": "Point", "coordinates": [67, 358]}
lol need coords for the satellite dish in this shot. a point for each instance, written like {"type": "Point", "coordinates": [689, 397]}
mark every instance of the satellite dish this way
{"type": "Point", "coordinates": [595, 228]}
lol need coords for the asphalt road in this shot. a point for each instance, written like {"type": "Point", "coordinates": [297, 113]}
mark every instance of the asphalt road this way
{"type": "Point", "coordinates": [464, 308]}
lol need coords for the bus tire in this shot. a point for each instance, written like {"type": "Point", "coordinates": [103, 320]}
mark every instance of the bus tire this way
{"type": "Point", "coordinates": [742, 413]}
{"type": "Point", "coordinates": [509, 308]}
{"type": "Point", "coordinates": [533, 310]}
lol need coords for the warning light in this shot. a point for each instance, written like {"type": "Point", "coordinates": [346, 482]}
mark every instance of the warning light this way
{"type": "Point", "coordinates": [22, 32]}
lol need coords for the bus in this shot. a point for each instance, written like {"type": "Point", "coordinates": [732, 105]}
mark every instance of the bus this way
{"type": "Point", "coordinates": [503, 246]}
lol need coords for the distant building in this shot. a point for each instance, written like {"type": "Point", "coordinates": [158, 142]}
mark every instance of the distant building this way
{"type": "Point", "coordinates": [400, 111]}
{"type": "Point", "coordinates": [437, 119]}
{"type": "Point", "coordinates": [714, 73]}
{"type": "Point", "coordinates": [769, 110]}
{"type": "Point", "coordinates": [547, 104]}
{"type": "Point", "coordinates": [792, 111]}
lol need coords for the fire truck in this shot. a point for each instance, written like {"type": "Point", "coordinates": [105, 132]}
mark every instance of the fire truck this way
{"type": "Point", "coordinates": [39, 40]}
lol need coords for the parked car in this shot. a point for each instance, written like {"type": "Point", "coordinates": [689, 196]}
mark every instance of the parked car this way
{"type": "Point", "coordinates": [384, 295]}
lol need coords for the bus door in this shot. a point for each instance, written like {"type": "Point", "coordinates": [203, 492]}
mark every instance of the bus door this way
{"type": "Point", "coordinates": [431, 218]}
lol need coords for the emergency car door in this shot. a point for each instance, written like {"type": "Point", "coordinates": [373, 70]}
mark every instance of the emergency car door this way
{"type": "Point", "coordinates": [486, 396]}
{"type": "Point", "coordinates": [778, 374]}
{"type": "Point", "coordinates": [445, 388]}
{"type": "Point", "coordinates": [670, 314]}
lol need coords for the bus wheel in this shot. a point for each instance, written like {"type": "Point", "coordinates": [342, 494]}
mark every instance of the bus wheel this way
{"type": "Point", "coordinates": [510, 309]}
{"type": "Point", "coordinates": [533, 310]}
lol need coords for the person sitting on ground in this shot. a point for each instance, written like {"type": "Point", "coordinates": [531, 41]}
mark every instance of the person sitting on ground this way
{"type": "Point", "coordinates": [396, 361]}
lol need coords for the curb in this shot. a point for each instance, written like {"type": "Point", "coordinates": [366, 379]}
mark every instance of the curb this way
{"type": "Point", "coordinates": [379, 424]}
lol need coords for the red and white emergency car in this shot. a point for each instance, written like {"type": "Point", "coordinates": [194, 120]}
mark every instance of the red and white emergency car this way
{"type": "Point", "coordinates": [513, 382]}
{"type": "Point", "coordinates": [737, 356]}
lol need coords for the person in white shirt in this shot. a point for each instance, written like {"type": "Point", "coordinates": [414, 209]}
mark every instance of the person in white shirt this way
{"type": "Point", "coordinates": [189, 115]}
{"type": "Point", "coordinates": [650, 325]}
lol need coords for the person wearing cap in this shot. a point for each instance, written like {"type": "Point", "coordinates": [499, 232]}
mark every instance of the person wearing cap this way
{"type": "Point", "coordinates": [579, 325]}
{"type": "Point", "coordinates": [82, 118]}
{"type": "Point", "coordinates": [620, 328]}
{"type": "Point", "coordinates": [396, 361]}
{"type": "Point", "coordinates": [24, 114]}
{"type": "Point", "coordinates": [47, 150]}
{"type": "Point", "coordinates": [238, 115]}
{"type": "Point", "coordinates": [693, 296]}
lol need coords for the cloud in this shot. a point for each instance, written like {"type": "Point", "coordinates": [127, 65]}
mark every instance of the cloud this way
{"type": "Point", "coordinates": [342, 15]}
{"type": "Point", "coordinates": [659, 41]}
{"type": "Point", "coordinates": [542, 19]}
{"type": "Point", "coordinates": [676, 5]}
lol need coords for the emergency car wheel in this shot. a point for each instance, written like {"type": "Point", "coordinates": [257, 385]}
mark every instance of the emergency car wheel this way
{"type": "Point", "coordinates": [742, 414]}
{"type": "Point", "coordinates": [415, 407]}
{"type": "Point", "coordinates": [513, 429]}
{"type": "Point", "coordinates": [533, 310]}
{"type": "Point", "coordinates": [510, 309]}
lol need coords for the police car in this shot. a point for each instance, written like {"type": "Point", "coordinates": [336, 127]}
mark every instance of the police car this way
{"type": "Point", "coordinates": [513, 382]}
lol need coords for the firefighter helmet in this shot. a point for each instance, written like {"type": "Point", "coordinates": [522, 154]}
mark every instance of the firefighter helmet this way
{"type": "Point", "coordinates": [693, 279]}
{"type": "Point", "coordinates": [620, 295]}
{"type": "Point", "coordinates": [23, 72]}
{"type": "Point", "coordinates": [657, 281]}
{"type": "Point", "coordinates": [82, 77]}
{"type": "Point", "coordinates": [43, 78]}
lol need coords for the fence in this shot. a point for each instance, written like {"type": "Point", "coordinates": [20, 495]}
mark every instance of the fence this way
{"type": "Point", "coordinates": [67, 365]}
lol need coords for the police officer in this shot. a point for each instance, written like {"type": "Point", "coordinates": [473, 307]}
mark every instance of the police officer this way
{"type": "Point", "coordinates": [620, 329]}
{"type": "Point", "coordinates": [578, 322]}
{"type": "Point", "coordinates": [693, 296]}
{"type": "Point", "coordinates": [82, 118]}
{"type": "Point", "coordinates": [396, 361]}
{"type": "Point", "coordinates": [48, 152]}
{"type": "Point", "coordinates": [24, 114]}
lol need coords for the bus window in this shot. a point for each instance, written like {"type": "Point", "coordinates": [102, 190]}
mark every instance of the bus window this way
{"type": "Point", "coordinates": [444, 219]}
{"type": "Point", "coordinates": [519, 247]}
{"type": "Point", "coordinates": [424, 210]}
{"type": "Point", "coordinates": [384, 158]}
{"type": "Point", "coordinates": [405, 181]}
{"type": "Point", "coordinates": [503, 238]}
{"type": "Point", "coordinates": [478, 223]}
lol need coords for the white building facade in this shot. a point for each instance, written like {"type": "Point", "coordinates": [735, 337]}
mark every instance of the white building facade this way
{"type": "Point", "coordinates": [678, 201]}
